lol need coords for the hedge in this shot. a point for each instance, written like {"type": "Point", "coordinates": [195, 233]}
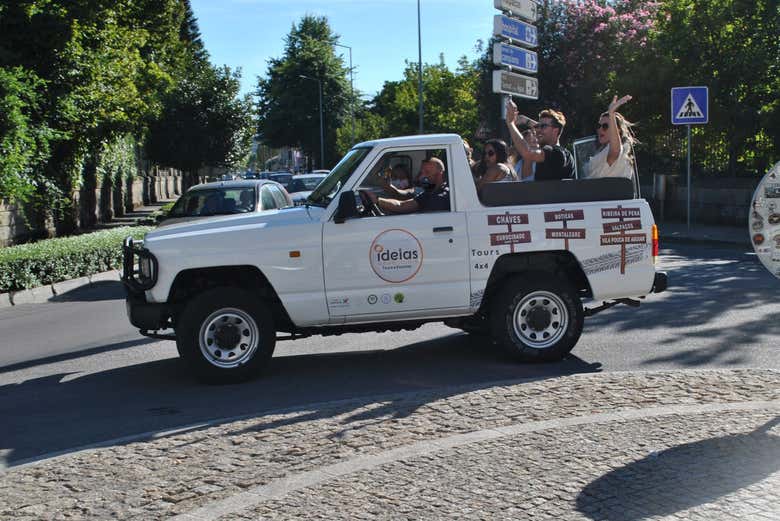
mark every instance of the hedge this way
{"type": "Point", "coordinates": [54, 260]}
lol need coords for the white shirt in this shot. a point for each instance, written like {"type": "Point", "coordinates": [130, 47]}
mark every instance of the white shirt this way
{"type": "Point", "coordinates": [598, 166]}
{"type": "Point", "coordinates": [519, 170]}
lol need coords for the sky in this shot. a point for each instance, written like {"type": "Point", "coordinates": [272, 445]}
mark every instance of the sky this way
{"type": "Point", "coordinates": [382, 33]}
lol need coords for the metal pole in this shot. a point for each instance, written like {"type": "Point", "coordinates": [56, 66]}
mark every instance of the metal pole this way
{"type": "Point", "coordinates": [322, 134]}
{"type": "Point", "coordinates": [352, 91]}
{"type": "Point", "coordinates": [351, 88]}
{"type": "Point", "coordinates": [689, 177]}
{"type": "Point", "coordinates": [419, 66]}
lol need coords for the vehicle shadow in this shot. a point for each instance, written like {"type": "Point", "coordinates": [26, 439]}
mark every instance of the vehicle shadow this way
{"type": "Point", "coordinates": [160, 395]}
{"type": "Point", "coordinates": [684, 476]}
{"type": "Point", "coordinates": [708, 286]}
{"type": "Point", "coordinates": [95, 292]}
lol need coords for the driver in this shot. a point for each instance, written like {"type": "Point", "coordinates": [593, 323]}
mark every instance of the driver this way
{"type": "Point", "coordinates": [435, 196]}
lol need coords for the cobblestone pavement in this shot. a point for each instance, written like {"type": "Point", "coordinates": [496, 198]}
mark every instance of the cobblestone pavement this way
{"type": "Point", "coordinates": [697, 445]}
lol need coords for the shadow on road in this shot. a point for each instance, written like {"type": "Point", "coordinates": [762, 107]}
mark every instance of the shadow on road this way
{"type": "Point", "coordinates": [683, 477]}
{"type": "Point", "coordinates": [707, 286]}
{"type": "Point", "coordinates": [95, 292]}
{"type": "Point", "coordinates": [65, 411]}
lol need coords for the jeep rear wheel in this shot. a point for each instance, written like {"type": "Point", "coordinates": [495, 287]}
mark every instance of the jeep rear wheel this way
{"type": "Point", "coordinates": [225, 335]}
{"type": "Point", "coordinates": [537, 318]}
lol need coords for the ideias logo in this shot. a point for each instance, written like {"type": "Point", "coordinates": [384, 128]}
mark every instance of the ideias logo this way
{"type": "Point", "coordinates": [396, 255]}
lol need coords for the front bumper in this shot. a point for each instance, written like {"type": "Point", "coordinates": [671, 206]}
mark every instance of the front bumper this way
{"type": "Point", "coordinates": [660, 283]}
{"type": "Point", "coordinates": [139, 273]}
{"type": "Point", "coordinates": [146, 316]}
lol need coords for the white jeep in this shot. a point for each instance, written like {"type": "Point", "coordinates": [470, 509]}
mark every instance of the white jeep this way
{"type": "Point", "coordinates": [515, 263]}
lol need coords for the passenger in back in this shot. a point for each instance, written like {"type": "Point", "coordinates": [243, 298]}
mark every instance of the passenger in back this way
{"type": "Point", "coordinates": [494, 167]}
{"type": "Point", "coordinates": [553, 162]}
{"type": "Point", "coordinates": [614, 158]}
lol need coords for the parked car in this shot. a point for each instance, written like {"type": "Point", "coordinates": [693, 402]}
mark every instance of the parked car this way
{"type": "Point", "coordinates": [302, 185]}
{"type": "Point", "coordinates": [282, 178]}
{"type": "Point", "coordinates": [226, 198]}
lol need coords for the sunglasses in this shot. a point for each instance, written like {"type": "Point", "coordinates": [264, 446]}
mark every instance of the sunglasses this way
{"type": "Point", "coordinates": [490, 152]}
{"type": "Point", "coordinates": [602, 126]}
{"type": "Point", "coordinates": [543, 125]}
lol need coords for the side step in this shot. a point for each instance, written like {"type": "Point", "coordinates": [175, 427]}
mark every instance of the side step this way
{"type": "Point", "coordinates": [589, 312]}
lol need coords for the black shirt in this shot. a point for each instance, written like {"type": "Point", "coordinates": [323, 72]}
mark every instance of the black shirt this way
{"type": "Point", "coordinates": [558, 164]}
{"type": "Point", "coordinates": [436, 200]}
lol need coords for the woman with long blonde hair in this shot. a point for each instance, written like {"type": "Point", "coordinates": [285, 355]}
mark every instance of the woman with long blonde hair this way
{"type": "Point", "coordinates": [616, 141]}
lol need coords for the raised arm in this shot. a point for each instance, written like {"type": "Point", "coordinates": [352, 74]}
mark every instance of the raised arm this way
{"type": "Point", "coordinates": [521, 145]}
{"type": "Point", "coordinates": [614, 133]}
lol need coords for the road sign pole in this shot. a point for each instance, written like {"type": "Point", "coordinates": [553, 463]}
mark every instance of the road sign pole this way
{"type": "Point", "coordinates": [689, 177]}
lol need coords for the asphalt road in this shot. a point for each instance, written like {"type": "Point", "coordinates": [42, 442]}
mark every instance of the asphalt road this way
{"type": "Point", "coordinates": [74, 373]}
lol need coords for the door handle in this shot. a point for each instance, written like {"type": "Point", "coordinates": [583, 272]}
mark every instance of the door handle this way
{"type": "Point", "coordinates": [442, 229]}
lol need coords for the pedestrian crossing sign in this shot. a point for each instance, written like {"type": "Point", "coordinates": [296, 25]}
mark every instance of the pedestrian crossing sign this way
{"type": "Point", "coordinates": [689, 105]}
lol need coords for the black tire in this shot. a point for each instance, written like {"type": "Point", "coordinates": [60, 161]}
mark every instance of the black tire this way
{"type": "Point", "coordinates": [225, 335]}
{"type": "Point", "coordinates": [537, 318]}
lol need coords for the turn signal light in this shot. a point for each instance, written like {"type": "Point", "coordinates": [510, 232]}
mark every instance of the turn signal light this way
{"type": "Point", "coordinates": [655, 243]}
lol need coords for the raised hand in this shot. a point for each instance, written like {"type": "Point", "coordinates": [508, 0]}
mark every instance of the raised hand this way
{"type": "Point", "coordinates": [511, 111]}
{"type": "Point", "coordinates": [618, 102]}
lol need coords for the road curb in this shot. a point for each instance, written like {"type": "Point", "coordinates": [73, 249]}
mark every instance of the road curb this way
{"type": "Point", "coordinates": [43, 294]}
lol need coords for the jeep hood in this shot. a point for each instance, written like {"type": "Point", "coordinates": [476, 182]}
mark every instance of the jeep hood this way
{"type": "Point", "coordinates": [219, 224]}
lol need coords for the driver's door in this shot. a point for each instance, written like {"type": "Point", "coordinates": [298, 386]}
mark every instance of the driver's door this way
{"type": "Point", "coordinates": [396, 266]}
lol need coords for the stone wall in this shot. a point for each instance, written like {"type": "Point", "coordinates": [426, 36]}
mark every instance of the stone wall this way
{"type": "Point", "coordinates": [724, 201]}
{"type": "Point", "coordinates": [110, 201]}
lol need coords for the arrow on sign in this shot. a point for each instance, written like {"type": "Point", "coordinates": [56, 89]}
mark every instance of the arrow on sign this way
{"type": "Point", "coordinates": [515, 84]}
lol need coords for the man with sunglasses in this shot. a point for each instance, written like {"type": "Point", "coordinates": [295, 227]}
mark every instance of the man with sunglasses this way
{"type": "Point", "coordinates": [553, 162]}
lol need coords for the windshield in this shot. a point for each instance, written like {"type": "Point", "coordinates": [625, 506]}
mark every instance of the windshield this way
{"type": "Point", "coordinates": [327, 189]}
{"type": "Point", "coordinates": [216, 201]}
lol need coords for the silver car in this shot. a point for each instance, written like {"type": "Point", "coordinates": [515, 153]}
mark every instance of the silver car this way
{"type": "Point", "coordinates": [227, 198]}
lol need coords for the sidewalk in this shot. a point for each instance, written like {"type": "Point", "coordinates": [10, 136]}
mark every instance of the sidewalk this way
{"type": "Point", "coordinates": [49, 292]}
{"type": "Point", "coordinates": [703, 233]}
{"type": "Point", "coordinates": [688, 445]}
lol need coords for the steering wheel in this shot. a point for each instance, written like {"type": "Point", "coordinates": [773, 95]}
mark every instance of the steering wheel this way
{"type": "Point", "coordinates": [369, 208]}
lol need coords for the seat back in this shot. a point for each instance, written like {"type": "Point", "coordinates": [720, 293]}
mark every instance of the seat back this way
{"type": "Point", "coordinates": [564, 191]}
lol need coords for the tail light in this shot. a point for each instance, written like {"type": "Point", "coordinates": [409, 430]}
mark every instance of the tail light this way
{"type": "Point", "coordinates": [655, 243]}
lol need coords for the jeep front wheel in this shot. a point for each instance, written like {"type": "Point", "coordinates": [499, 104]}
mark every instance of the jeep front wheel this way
{"type": "Point", "coordinates": [225, 335]}
{"type": "Point", "coordinates": [537, 318]}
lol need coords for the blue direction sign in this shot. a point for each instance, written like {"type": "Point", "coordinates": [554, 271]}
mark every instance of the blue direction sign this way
{"type": "Point", "coordinates": [515, 30]}
{"type": "Point", "coordinates": [515, 57]}
{"type": "Point", "coordinates": [689, 105]}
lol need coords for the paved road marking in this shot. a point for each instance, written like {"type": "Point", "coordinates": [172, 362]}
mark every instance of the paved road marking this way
{"type": "Point", "coordinates": [281, 487]}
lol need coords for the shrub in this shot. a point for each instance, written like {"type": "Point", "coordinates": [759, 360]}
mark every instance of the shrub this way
{"type": "Point", "coordinates": [54, 260]}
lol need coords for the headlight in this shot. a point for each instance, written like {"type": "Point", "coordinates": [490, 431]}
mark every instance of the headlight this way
{"type": "Point", "coordinates": [139, 266]}
{"type": "Point", "coordinates": [145, 267]}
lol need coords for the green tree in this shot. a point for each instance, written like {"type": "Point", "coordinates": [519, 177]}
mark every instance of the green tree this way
{"type": "Point", "coordinates": [24, 140]}
{"type": "Point", "coordinates": [288, 106]}
{"type": "Point", "coordinates": [204, 123]}
{"type": "Point", "coordinates": [449, 101]}
{"type": "Point", "coordinates": [733, 47]}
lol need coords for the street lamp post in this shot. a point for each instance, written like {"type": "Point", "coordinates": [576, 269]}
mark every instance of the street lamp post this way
{"type": "Point", "coordinates": [322, 133]}
{"type": "Point", "coordinates": [351, 88]}
{"type": "Point", "coordinates": [419, 66]}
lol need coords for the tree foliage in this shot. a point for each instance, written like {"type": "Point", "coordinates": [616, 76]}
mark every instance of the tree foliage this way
{"type": "Point", "coordinates": [84, 80]}
{"type": "Point", "coordinates": [288, 105]}
{"type": "Point", "coordinates": [204, 122]}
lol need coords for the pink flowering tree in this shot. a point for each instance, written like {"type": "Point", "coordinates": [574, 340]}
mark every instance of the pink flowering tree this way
{"type": "Point", "coordinates": [591, 50]}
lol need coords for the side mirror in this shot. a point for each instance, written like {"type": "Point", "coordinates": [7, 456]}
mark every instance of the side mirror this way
{"type": "Point", "coordinates": [347, 207]}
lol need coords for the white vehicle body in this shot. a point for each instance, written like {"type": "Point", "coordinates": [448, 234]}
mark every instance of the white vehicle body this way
{"type": "Point", "coordinates": [326, 272]}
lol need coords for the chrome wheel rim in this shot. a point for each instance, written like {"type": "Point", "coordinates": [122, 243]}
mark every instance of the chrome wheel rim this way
{"type": "Point", "coordinates": [540, 319]}
{"type": "Point", "coordinates": [228, 338]}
